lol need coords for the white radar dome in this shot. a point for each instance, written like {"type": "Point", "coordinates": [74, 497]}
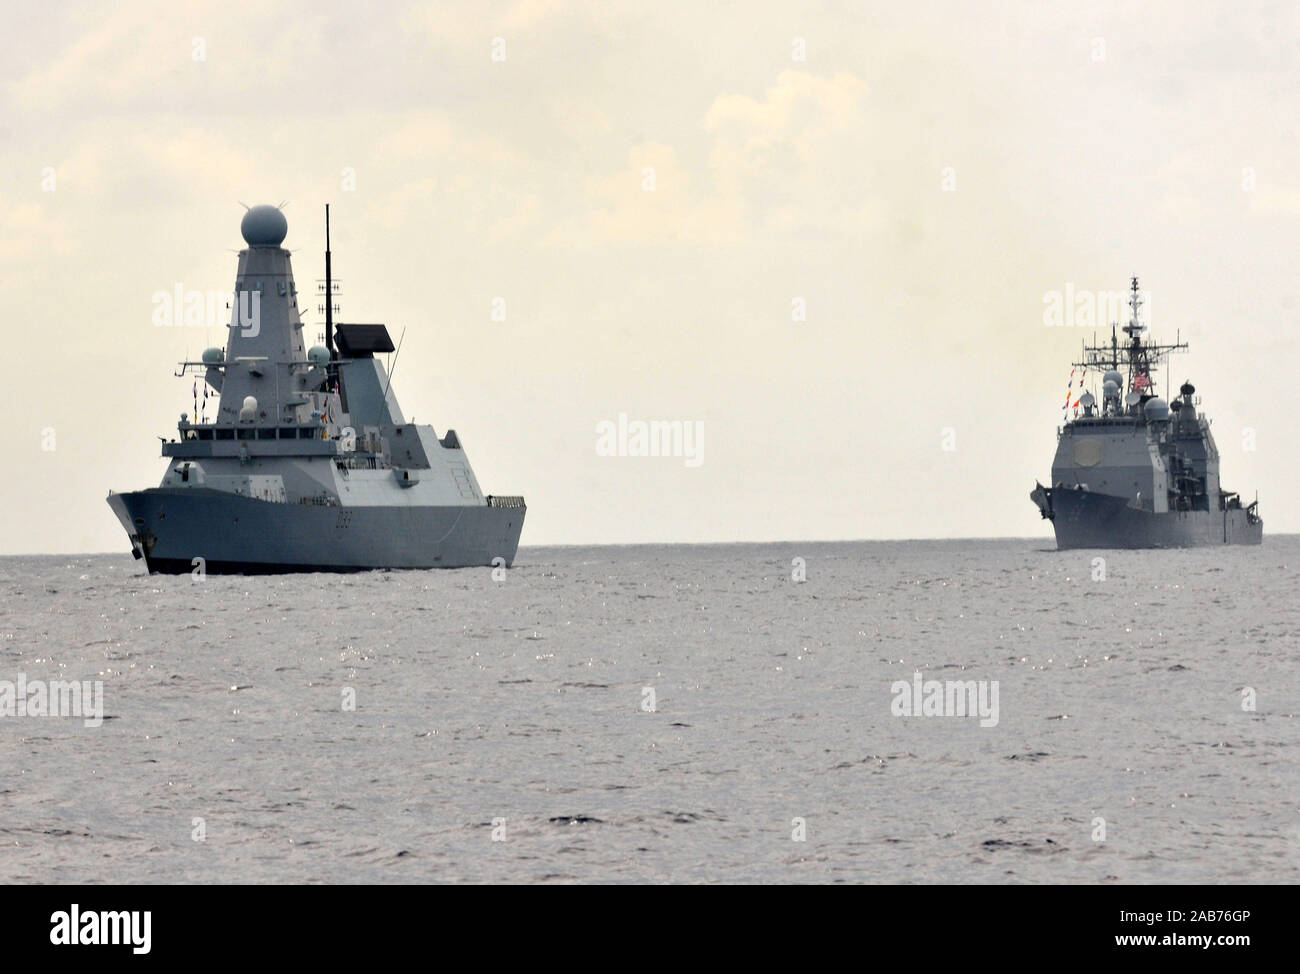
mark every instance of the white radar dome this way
{"type": "Point", "coordinates": [1156, 409]}
{"type": "Point", "coordinates": [264, 226]}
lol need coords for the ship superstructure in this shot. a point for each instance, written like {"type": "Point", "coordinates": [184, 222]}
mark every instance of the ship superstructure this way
{"type": "Point", "coordinates": [309, 463]}
{"type": "Point", "coordinates": [1133, 470]}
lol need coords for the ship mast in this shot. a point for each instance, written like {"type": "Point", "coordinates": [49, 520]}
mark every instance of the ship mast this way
{"type": "Point", "coordinates": [1140, 357]}
{"type": "Point", "coordinates": [329, 304]}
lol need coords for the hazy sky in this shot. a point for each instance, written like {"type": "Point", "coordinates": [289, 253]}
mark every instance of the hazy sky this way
{"type": "Point", "coordinates": [921, 178]}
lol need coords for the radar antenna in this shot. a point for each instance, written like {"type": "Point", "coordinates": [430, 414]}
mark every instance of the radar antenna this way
{"type": "Point", "coordinates": [1138, 357]}
{"type": "Point", "coordinates": [1134, 327]}
{"type": "Point", "coordinates": [329, 289]}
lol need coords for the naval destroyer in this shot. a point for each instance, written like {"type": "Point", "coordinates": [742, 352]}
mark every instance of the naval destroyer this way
{"type": "Point", "coordinates": [1135, 470]}
{"type": "Point", "coordinates": [309, 464]}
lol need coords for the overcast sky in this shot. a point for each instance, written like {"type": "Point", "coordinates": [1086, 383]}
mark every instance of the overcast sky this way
{"type": "Point", "coordinates": [921, 176]}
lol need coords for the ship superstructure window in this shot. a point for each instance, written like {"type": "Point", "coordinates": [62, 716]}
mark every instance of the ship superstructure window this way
{"type": "Point", "coordinates": [225, 434]}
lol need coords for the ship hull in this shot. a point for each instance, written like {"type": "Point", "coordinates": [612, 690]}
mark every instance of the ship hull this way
{"type": "Point", "coordinates": [1084, 519]}
{"type": "Point", "coordinates": [171, 528]}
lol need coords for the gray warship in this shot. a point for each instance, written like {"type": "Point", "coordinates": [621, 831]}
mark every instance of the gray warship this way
{"type": "Point", "coordinates": [309, 464]}
{"type": "Point", "coordinates": [1135, 470]}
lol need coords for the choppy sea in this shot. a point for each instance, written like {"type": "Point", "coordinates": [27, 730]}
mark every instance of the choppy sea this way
{"type": "Point", "coordinates": [663, 714]}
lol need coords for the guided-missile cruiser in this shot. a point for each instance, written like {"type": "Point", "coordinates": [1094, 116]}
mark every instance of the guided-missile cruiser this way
{"type": "Point", "coordinates": [1135, 470]}
{"type": "Point", "coordinates": [309, 464]}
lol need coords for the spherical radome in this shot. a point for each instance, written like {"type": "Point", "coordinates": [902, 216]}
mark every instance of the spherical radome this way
{"type": "Point", "coordinates": [1156, 409]}
{"type": "Point", "coordinates": [264, 226]}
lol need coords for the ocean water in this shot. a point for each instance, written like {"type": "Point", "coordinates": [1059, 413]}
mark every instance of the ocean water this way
{"type": "Point", "coordinates": [503, 729]}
